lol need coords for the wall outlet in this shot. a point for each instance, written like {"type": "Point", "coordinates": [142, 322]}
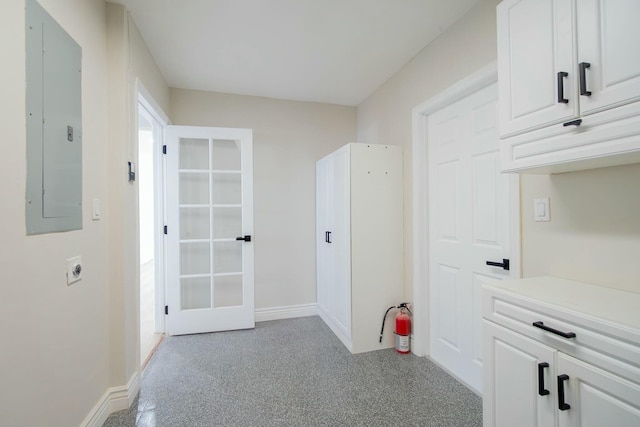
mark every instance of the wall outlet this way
{"type": "Point", "coordinates": [74, 269]}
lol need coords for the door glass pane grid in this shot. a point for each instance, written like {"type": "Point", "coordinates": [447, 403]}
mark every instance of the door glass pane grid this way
{"type": "Point", "coordinates": [226, 155]}
{"type": "Point", "coordinates": [227, 291]}
{"type": "Point", "coordinates": [195, 234]}
{"type": "Point", "coordinates": [226, 223]}
{"type": "Point", "coordinates": [214, 192]}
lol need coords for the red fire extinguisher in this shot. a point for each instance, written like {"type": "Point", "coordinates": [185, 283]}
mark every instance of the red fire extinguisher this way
{"type": "Point", "coordinates": [403, 327]}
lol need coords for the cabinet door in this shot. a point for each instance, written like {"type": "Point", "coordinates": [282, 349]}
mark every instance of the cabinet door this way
{"type": "Point", "coordinates": [513, 393]}
{"type": "Point", "coordinates": [535, 44]}
{"type": "Point", "coordinates": [340, 302]}
{"type": "Point", "coordinates": [608, 38]}
{"type": "Point", "coordinates": [324, 265]}
{"type": "Point", "coordinates": [596, 397]}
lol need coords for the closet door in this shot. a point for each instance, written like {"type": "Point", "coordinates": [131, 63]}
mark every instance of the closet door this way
{"type": "Point", "coordinates": [324, 266]}
{"type": "Point", "coordinates": [340, 299]}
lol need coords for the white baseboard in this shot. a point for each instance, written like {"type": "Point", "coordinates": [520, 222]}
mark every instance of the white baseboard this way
{"type": "Point", "coordinates": [288, 312]}
{"type": "Point", "coordinates": [113, 400]}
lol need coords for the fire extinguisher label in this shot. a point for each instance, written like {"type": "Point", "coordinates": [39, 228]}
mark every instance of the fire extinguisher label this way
{"type": "Point", "coordinates": [402, 343]}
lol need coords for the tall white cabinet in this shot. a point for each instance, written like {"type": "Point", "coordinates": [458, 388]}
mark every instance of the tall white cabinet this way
{"type": "Point", "coordinates": [359, 234]}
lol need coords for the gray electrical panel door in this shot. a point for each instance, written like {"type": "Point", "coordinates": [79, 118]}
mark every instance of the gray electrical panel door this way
{"type": "Point", "coordinates": [54, 125]}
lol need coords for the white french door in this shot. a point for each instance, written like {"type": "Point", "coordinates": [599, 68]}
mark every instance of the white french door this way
{"type": "Point", "coordinates": [469, 224]}
{"type": "Point", "coordinates": [209, 230]}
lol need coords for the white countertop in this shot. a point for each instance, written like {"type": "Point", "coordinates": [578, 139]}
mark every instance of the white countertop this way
{"type": "Point", "coordinates": [609, 304]}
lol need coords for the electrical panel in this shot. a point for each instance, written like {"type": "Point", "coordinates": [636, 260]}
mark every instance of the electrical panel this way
{"type": "Point", "coordinates": [54, 125]}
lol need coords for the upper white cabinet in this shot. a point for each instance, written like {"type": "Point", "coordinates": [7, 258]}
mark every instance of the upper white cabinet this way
{"type": "Point", "coordinates": [569, 82]}
{"type": "Point", "coordinates": [608, 53]}
{"type": "Point", "coordinates": [535, 42]}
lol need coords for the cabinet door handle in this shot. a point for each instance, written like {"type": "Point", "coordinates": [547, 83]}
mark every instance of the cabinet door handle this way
{"type": "Point", "coordinates": [577, 122]}
{"type": "Point", "coordinates": [244, 238]}
{"type": "Point", "coordinates": [554, 331]}
{"type": "Point", "coordinates": [561, 98]}
{"type": "Point", "coordinates": [327, 236]}
{"type": "Point", "coordinates": [583, 78]}
{"type": "Point", "coordinates": [562, 405]}
{"type": "Point", "coordinates": [541, 390]}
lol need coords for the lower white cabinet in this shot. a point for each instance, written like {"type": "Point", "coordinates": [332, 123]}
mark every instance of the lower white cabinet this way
{"type": "Point", "coordinates": [595, 397]}
{"type": "Point", "coordinates": [512, 364]}
{"type": "Point", "coordinates": [359, 237]}
{"type": "Point", "coordinates": [560, 353]}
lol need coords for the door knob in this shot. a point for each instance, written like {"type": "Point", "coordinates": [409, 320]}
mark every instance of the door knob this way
{"type": "Point", "coordinates": [504, 264]}
{"type": "Point", "coordinates": [245, 238]}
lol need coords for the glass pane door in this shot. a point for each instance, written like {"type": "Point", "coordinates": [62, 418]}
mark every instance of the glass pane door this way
{"type": "Point", "coordinates": [213, 211]}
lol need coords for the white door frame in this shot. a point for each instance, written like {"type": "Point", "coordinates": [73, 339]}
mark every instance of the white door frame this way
{"type": "Point", "coordinates": [421, 286]}
{"type": "Point", "coordinates": [144, 98]}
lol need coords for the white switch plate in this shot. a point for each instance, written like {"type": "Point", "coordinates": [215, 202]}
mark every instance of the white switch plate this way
{"type": "Point", "coordinates": [74, 269]}
{"type": "Point", "coordinates": [541, 209]}
{"type": "Point", "coordinates": [96, 210]}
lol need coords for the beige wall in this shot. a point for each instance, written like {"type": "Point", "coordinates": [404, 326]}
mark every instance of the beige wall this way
{"type": "Point", "coordinates": [288, 138]}
{"type": "Point", "coordinates": [594, 234]}
{"type": "Point", "coordinates": [129, 61]}
{"type": "Point", "coordinates": [64, 346]}
{"type": "Point", "coordinates": [54, 353]}
{"type": "Point", "coordinates": [385, 117]}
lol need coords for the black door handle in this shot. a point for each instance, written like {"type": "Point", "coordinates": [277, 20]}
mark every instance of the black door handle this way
{"type": "Point", "coordinates": [541, 390]}
{"type": "Point", "coordinates": [327, 236]}
{"type": "Point", "coordinates": [583, 78]}
{"type": "Point", "coordinates": [554, 331]}
{"type": "Point", "coordinates": [562, 405]}
{"type": "Point", "coordinates": [504, 264]}
{"type": "Point", "coordinates": [245, 238]}
{"type": "Point", "coordinates": [561, 98]}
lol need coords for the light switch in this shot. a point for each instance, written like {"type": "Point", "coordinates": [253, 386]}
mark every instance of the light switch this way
{"type": "Point", "coordinates": [541, 209]}
{"type": "Point", "coordinates": [96, 210]}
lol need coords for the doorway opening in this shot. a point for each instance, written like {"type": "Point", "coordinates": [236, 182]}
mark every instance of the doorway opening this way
{"type": "Point", "coordinates": [150, 173]}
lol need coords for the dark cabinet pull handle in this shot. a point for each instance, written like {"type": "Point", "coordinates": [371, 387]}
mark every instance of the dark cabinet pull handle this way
{"type": "Point", "coordinates": [562, 405]}
{"type": "Point", "coordinates": [583, 78]}
{"type": "Point", "coordinates": [554, 331]}
{"type": "Point", "coordinates": [541, 390]}
{"type": "Point", "coordinates": [504, 264]}
{"type": "Point", "coordinates": [561, 98]}
{"type": "Point", "coordinates": [577, 122]}
{"type": "Point", "coordinates": [245, 238]}
{"type": "Point", "coordinates": [327, 236]}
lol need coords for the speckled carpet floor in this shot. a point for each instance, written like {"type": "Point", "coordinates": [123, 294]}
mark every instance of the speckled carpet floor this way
{"type": "Point", "coordinates": [292, 372]}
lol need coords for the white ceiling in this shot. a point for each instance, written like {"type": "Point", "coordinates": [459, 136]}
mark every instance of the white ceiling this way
{"type": "Point", "coordinates": [332, 51]}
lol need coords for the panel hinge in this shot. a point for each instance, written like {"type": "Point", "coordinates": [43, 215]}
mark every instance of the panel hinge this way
{"type": "Point", "coordinates": [164, 149]}
{"type": "Point", "coordinates": [166, 309]}
{"type": "Point", "coordinates": [165, 229]}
